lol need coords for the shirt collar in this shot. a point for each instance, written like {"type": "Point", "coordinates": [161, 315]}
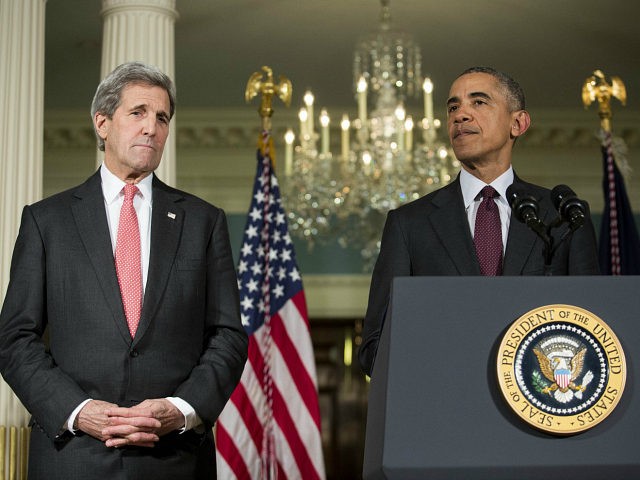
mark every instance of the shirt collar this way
{"type": "Point", "coordinates": [471, 185]}
{"type": "Point", "coordinates": [112, 186]}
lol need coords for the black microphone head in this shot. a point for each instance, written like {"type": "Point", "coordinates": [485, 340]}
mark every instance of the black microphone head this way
{"type": "Point", "coordinates": [560, 194]}
{"type": "Point", "coordinates": [523, 205]}
{"type": "Point", "coordinates": [512, 194]}
{"type": "Point", "coordinates": [569, 206]}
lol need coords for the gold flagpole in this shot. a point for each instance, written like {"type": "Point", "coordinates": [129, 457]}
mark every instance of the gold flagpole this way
{"type": "Point", "coordinates": [267, 87]}
{"type": "Point", "coordinates": [597, 87]}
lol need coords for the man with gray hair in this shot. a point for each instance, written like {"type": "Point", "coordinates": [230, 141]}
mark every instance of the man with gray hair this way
{"type": "Point", "coordinates": [120, 331]}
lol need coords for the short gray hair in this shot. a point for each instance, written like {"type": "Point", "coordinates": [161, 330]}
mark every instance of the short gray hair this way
{"type": "Point", "coordinates": [513, 90]}
{"type": "Point", "coordinates": [109, 93]}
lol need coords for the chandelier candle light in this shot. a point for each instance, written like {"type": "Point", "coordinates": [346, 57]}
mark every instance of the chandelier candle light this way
{"type": "Point", "coordinates": [381, 166]}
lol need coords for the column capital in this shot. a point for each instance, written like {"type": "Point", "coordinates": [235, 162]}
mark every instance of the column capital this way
{"type": "Point", "coordinates": [167, 7]}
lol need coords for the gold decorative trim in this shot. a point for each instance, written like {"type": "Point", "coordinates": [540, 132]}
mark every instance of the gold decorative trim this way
{"type": "Point", "coordinates": [16, 452]}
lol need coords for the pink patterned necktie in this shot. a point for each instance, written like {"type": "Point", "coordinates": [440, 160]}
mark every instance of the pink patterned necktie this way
{"type": "Point", "coordinates": [487, 236]}
{"type": "Point", "coordinates": [128, 263]}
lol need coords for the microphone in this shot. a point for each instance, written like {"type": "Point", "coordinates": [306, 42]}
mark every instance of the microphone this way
{"type": "Point", "coordinates": [524, 206]}
{"type": "Point", "coordinates": [571, 209]}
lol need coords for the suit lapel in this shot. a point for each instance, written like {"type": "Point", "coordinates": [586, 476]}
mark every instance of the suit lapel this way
{"type": "Point", "coordinates": [167, 219]}
{"type": "Point", "coordinates": [450, 224]}
{"type": "Point", "coordinates": [519, 245]}
{"type": "Point", "coordinates": [90, 216]}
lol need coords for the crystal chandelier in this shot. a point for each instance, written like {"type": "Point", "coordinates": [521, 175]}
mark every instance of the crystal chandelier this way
{"type": "Point", "coordinates": [380, 165]}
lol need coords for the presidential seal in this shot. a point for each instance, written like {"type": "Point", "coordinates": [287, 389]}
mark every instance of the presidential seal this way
{"type": "Point", "coordinates": [561, 369]}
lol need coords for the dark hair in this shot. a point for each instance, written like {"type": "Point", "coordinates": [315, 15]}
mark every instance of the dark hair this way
{"type": "Point", "coordinates": [513, 90]}
{"type": "Point", "coordinates": [108, 95]}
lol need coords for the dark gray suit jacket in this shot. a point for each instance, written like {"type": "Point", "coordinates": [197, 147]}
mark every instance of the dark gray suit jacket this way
{"type": "Point", "coordinates": [431, 236]}
{"type": "Point", "coordinates": [190, 342]}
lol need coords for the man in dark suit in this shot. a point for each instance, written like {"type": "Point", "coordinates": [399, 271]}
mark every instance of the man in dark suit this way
{"type": "Point", "coordinates": [435, 234]}
{"type": "Point", "coordinates": [124, 365]}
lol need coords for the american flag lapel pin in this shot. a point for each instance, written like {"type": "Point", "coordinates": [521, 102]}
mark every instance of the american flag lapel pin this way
{"type": "Point", "coordinates": [171, 215]}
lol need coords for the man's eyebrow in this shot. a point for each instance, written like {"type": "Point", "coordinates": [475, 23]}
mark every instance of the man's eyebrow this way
{"type": "Point", "coordinates": [480, 95]}
{"type": "Point", "coordinates": [471, 95]}
{"type": "Point", "coordinates": [144, 106]}
{"type": "Point", "coordinates": [139, 106]}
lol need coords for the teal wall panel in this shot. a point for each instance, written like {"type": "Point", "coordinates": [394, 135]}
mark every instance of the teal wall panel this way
{"type": "Point", "coordinates": [329, 259]}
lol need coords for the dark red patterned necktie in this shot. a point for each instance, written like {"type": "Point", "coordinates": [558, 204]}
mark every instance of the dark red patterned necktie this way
{"type": "Point", "coordinates": [487, 236]}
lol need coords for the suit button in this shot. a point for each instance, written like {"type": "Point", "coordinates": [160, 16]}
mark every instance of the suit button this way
{"type": "Point", "coordinates": [133, 353]}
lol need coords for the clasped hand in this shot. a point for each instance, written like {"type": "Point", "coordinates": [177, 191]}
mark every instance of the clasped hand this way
{"type": "Point", "coordinates": [141, 425]}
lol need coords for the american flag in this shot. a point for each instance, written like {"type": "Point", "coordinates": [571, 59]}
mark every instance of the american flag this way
{"type": "Point", "coordinates": [270, 428]}
{"type": "Point", "coordinates": [619, 246]}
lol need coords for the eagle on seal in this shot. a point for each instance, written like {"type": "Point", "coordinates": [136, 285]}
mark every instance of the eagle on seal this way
{"type": "Point", "coordinates": [562, 372]}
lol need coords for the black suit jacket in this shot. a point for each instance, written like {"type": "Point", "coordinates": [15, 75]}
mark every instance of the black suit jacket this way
{"type": "Point", "coordinates": [431, 236]}
{"type": "Point", "coordinates": [190, 342]}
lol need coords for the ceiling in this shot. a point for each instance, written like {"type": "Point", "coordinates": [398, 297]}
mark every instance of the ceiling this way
{"type": "Point", "coordinates": [550, 46]}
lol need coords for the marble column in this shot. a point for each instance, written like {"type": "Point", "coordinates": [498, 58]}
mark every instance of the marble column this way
{"type": "Point", "coordinates": [21, 144]}
{"type": "Point", "coordinates": [143, 30]}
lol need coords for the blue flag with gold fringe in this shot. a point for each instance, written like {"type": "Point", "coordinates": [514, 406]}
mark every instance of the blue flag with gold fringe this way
{"type": "Point", "coordinates": [619, 246]}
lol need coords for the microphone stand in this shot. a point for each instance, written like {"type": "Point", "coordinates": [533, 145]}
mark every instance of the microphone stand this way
{"type": "Point", "coordinates": [549, 248]}
{"type": "Point", "coordinates": [525, 208]}
{"type": "Point", "coordinates": [532, 221]}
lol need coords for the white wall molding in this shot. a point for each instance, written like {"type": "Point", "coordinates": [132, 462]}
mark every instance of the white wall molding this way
{"type": "Point", "coordinates": [216, 151]}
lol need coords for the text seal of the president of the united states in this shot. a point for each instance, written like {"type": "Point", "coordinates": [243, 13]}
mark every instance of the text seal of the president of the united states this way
{"type": "Point", "coordinates": [561, 369]}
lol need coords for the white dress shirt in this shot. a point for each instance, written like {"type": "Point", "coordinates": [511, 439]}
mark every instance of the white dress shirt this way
{"type": "Point", "coordinates": [114, 197]}
{"type": "Point", "coordinates": [471, 187]}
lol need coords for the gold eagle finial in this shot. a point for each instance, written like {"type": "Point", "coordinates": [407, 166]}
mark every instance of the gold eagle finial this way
{"type": "Point", "coordinates": [597, 87]}
{"type": "Point", "coordinates": [266, 86]}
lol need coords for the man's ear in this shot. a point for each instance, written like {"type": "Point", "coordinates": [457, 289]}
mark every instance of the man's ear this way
{"type": "Point", "coordinates": [100, 123]}
{"type": "Point", "coordinates": [520, 123]}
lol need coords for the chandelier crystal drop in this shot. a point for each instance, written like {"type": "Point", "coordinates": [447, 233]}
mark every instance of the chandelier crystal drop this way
{"type": "Point", "coordinates": [386, 158]}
